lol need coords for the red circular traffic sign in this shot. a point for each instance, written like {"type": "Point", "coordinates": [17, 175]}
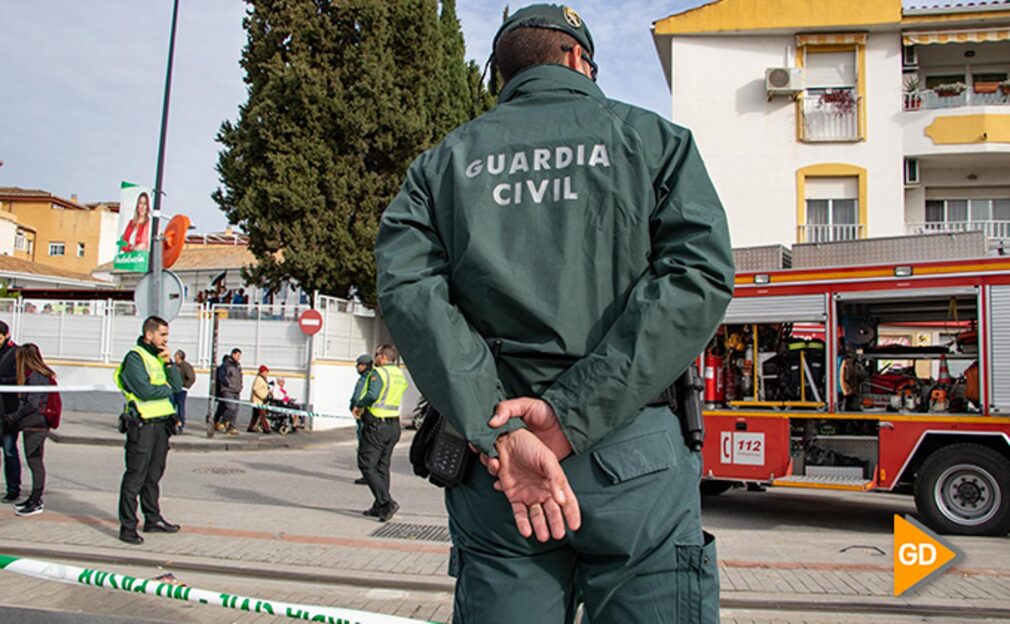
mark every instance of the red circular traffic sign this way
{"type": "Point", "coordinates": [310, 322]}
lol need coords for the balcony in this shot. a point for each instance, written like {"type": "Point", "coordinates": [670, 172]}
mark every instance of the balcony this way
{"type": "Point", "coordinates": [822, 233]}
{"type": "Point", "coordinates": [928, 99]}
{"type": "Point", "coordinates": [994, 229]}
{"type": "Point", "coordinates": [830, 116]}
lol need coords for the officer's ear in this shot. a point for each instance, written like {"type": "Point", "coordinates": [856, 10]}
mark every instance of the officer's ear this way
{"type": "Point", "coordinates": [578, 59]}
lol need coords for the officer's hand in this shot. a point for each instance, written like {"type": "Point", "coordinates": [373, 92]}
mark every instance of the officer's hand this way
{"type": "Point", "coordinates": [531, 478]}
{"type": "Point", "coordinates": [539, 418]}
{"type": "Point", "coordinates": [165, 355]}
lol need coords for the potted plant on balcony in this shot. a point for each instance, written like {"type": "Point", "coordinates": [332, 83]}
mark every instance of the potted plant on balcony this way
{"type": "Point", "coordinates": [949, 89]}
{"type": "Point", "coordinates": [840, 101]}
{"type": "Point", "coordinates": [912, 98]}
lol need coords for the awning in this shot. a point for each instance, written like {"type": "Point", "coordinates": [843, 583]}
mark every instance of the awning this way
{"type": "Point", "coordinates": [831, 39]}
{"type": "Point", "coordinates": [955, 36]}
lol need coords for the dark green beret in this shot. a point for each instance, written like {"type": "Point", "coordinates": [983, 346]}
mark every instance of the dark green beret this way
{"type": "Point", "coordinates": [552, 16]}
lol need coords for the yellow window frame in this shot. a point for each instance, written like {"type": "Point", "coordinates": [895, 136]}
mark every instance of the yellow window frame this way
{"type": "Point", "coordinates": [860, 50]}
{"type": "Point", "coordinates": [829, 170]}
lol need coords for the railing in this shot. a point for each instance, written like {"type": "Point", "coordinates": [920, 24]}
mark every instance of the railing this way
{"type": "Point", "coordinates": [102, 330]}
{"type": "Point", "coordinates": [992, 229]}
{"type": "Point", "coordinates": [829, 233]}
{"type": "Point", "coordinates": [931, 100]}
{"type": "Point", "coordinates": [828, 121]}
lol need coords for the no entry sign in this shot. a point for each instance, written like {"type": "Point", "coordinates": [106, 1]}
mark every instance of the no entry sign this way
{"type": "Point", "coordinates": [310, 322]}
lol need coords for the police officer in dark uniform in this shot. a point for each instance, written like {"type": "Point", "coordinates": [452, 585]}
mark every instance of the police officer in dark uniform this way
{"type": "Point", "coordinates": [148, 379]}
{"type": "Point", "coordinates": [584, 237]}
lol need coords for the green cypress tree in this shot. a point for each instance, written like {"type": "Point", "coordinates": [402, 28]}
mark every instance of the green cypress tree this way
{"type": "Point", "coordinates": [342, 96]}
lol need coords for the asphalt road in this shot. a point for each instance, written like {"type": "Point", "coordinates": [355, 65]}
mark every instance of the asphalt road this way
{"type": "Point", "coordinates": [322, 479]}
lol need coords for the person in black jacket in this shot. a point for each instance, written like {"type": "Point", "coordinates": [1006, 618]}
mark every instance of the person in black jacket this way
{"type": "Point", "coordinates": [228, 380]}
{"type": "Point", "coordinates": [30, 419]}
{"type": "Point", "coordinates": [8, 405]}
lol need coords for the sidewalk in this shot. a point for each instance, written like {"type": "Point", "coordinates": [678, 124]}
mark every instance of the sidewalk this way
{"type": "Point", "coordinates": [100, 429]}
{"type": "Point", "coordinates": [339, 547]}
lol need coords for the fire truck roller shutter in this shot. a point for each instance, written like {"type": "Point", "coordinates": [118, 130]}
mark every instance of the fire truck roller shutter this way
{"type": "Point", "coordinates": [999, 358]}
{"type": "Point", "coordinates": [783, 309]}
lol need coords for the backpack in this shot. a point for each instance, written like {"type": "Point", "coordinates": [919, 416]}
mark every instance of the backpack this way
{"type": "Point", "coordinates": [54, 407]}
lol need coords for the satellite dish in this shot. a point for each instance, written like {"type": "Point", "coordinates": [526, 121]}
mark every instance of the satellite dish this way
{"type": "Point", "coordinates": [175, 240]}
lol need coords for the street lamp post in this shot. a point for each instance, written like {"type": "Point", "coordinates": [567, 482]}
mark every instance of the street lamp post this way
{"type": "Point", "coordinates": [155, 266]}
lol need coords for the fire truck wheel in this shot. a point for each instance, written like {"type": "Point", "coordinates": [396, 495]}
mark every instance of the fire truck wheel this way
{"type": "Point", "coordinates": [711, 487]}
{"type": "Point", "coordinates": [964, 489]}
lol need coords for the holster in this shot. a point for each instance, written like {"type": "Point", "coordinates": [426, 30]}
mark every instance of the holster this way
{"type": "Point", "coordinates": [684, 399]}
{"type": "Point", "coordinates": [436, 435]}
{"type": "Point", "coordinates": [128, 416]}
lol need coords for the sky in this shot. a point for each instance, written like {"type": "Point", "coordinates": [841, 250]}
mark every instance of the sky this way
{"type": "Point", "coordinates": [81, 87]}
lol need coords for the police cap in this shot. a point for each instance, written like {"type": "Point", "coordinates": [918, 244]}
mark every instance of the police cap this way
{"type": "Point", "coordinates": [551, 16]}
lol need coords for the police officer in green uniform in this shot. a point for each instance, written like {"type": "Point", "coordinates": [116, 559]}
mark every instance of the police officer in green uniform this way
{"type": "Point", "coordinates": [584, 236]}
{"type": "Point", "coordinates": [379, 411]}
{"type": "Point", "coordinates": [364, 367]}
{"type": "Point", "coordinates": [148, 378]}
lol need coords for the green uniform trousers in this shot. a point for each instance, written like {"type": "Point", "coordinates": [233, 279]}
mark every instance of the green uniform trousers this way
{"type": "Point", "coordinates": [640, 555]}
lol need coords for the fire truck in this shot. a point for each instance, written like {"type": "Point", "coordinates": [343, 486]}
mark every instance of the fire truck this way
{"type": "Point", "coordinates": [891, 377]}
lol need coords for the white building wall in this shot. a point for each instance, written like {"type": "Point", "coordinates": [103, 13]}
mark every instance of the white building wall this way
{"type": "Point", "coordinates": [8, 231]}
{"type": "Point", "coordinates": [107, 236]}
{"type": "Point", "coordinates": [750, 142]}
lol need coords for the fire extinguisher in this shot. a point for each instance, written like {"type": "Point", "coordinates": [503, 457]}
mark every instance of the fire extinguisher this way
{"type": "Point", "coordinates": [715, 389]}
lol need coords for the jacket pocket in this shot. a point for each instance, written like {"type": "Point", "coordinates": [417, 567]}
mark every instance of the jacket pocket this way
{"type": "Point", "coordinates": [698, 582]}
{"type": "Point", "coordinates": [636, 457]}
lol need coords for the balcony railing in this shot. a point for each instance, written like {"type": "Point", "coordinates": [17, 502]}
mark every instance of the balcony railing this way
{"type": "Point", "coordinates": [826, 121]}
{"type": "Point", "coordinates": [931, 100]}
{"type": "Point", "coordinates": [992, 229]}
{"type": "Point", "coordinates": [829, 233]}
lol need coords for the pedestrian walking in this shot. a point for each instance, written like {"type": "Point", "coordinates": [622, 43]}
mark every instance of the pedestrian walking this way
{"type": "Point", "coordinates": [228, 378]}
{"type": "Point", "coordinates": [188, 379]}
{"type": "Point", "coordinates": [8, 405]}
{"type": "Point", "coordinates": [581, 241]}
{"type": "Point", "coordinates": [148, 378]}
{"type": "Point", "coordinates": [364, 367]}
{"type": "Point", "coordinates": [259, 395]}
{"type": "Point", "coordinates": [31, 420]}
{"type": "Point", "coordinates": [379, 409]}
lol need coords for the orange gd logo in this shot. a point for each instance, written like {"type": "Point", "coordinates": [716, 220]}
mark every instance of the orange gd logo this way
{"type": "Point", "coordinates": [918, 554]}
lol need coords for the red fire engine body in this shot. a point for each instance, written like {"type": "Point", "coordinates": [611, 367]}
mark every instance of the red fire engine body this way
{"type": "Point", "coordinates": [840, 379]}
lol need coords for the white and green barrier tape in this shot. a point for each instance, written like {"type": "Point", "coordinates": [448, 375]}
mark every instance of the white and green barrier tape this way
{"type": "Point", "coordinates": [110, 580]}
{"type": "Point", "coordinates": [282, 410]}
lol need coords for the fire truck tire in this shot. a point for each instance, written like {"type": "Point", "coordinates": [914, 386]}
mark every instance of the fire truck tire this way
{"type": "Point", "coordinates": [711, 487]}
{"type": "Point", "coordinates": [964, 489]}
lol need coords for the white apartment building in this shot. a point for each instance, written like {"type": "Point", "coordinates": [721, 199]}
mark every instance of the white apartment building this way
{"type": "Point", "coordinates": [822, 120]}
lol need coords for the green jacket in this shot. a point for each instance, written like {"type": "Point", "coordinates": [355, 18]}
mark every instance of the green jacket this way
{"type": "Point", "coordinates": [359, 388]}
{"type": "Point", "coordinates": [138, 382]}
{"type": "Point", "coordinates": [582, 232]}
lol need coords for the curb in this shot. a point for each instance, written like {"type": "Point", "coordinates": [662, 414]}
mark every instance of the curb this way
{"type": "Point", "coordinates": [275, 443]}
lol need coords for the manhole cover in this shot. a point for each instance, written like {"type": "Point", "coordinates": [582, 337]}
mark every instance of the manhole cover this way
{"type": "Point", "coordinates": [417, 532]}
{"type": "Point", "coordinates": [219, 471]}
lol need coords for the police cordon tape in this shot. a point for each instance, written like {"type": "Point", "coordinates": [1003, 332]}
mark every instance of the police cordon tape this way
{"type": "Point", "coordinates": [282, 410]}
{"type": "Point", "coordinates": [110, 580]}
{"type": "Point", "coordinates": [108, 388]}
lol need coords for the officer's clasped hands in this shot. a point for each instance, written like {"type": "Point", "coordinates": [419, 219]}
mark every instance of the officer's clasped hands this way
{"type": "Point", "coordinates": [529, 471]}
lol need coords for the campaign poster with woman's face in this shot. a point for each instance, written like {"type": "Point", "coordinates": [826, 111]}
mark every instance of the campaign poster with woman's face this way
{"type": "Point", "coordinates": [134, 240]}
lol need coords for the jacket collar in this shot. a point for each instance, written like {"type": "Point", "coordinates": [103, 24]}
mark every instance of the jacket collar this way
{"type": "Point", "coordinates": [147, 346]}
{"type": "Point", "coordinates": [544, 78]}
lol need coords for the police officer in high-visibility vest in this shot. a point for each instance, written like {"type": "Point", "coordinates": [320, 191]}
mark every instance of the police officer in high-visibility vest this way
{"type": "Point", "coordinates": [148, 378]}
{"type": "Point", "coordinates": [548, 271]}
{"type": "Point", "coordinates": [379, 410]}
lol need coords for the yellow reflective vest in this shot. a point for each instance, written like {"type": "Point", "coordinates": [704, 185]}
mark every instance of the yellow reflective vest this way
{"type": "Point", "coordinates": [156, 408]}
{"type": "Point", "coordinates": [394, 384]}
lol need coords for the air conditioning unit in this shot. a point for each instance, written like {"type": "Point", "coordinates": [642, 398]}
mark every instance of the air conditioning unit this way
{"type": "Point", "coordinates": [783, 80]}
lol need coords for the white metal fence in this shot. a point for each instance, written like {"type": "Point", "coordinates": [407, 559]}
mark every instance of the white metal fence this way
{"type": "Point", "coordinates": [102, 330]}
{"type": "Point", "coordinates": [995, 229]}
{"type": "Point", "coordinates": [928, 99]}
{"type": "Point", "coordinates": [830, 233]}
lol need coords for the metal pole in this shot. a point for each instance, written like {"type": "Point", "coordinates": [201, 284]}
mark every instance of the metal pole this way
{"type": "Point", "coordinates": [155, 268]}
